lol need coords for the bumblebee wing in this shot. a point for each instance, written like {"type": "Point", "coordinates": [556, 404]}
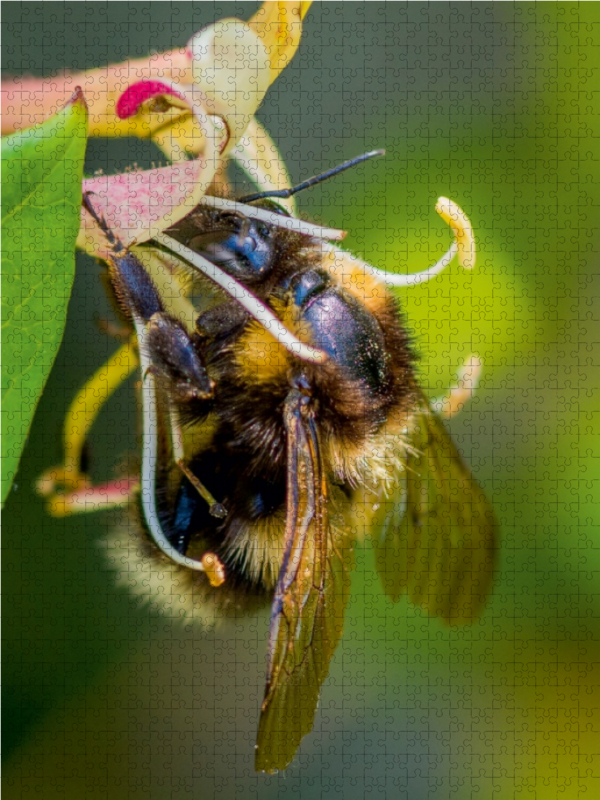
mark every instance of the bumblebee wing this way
{"type": "Point", "coordinates": [310, 599]}
{"type": "Point", "coordinates": [438, 541]}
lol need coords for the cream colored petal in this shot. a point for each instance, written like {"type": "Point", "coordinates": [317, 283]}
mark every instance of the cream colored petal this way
{"type": "Point", "coordinates": [231, 67]}
{"type": "Point", "coordinates": [258, 156]}
{"type": "Point", "coordinates": [182, 140]}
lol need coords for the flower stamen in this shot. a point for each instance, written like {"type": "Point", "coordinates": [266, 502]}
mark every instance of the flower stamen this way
{"type": "Point", "coordinates": [245, 298]}
{"type": "Point", "coordinates": [273, 218]}
{"type": "Point", "coordinates": [463, 247]}
{"type": "Point", "coordinates": [452, 403]}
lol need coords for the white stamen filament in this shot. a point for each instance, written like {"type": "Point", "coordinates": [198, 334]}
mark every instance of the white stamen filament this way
{"type": "Point", "coordinates": [176, 435]}
{"type": "Point", "coordinates": [150, 457]}
{"type": "Point", "coordinates": [416, 278]}
{"type": "Point", "coordinates": [463, 246]}
{"type": "Point", "coordinates": [462, 391]}
{"type": "Point", "coordinates": [245, 298]}
{"type": "Point", "coordinates": [272, 218]}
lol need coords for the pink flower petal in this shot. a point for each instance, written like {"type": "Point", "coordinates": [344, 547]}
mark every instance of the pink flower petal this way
{"type": "Point", "coordinates": [137, 204]}
{"type": "Point", "coordinates": [94, 498]}
{"type": "Point", "coordinates": [136, 94]}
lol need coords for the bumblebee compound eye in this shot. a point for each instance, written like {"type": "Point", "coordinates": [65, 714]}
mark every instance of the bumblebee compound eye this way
{"type": "Point", "coordinates": [244, 248]}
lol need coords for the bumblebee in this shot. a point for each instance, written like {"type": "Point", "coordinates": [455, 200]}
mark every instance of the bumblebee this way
{"type": "Point", "coordinates": [265, 453]}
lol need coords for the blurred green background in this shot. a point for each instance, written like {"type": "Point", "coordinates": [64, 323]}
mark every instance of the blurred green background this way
{"type": "Point", "coordinates": [493, 105]}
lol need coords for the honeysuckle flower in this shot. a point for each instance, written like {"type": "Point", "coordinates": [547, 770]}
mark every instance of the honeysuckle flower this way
{"type": "Point", "coordinates": [29, 101]}
{"type": "Point", "coordinates": [198, 100]}
{"type": "Point", "coordinates": [208, 111]}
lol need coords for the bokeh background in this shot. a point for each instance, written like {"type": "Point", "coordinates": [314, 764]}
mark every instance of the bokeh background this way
{"type": "Point", "coordinates": [493, 105]}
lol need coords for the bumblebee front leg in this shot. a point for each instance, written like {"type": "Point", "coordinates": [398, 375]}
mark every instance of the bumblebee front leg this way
{"type": "Point", "coordinates": [169, 355]}
{"type": "Point", "coordinates": [173, 356]}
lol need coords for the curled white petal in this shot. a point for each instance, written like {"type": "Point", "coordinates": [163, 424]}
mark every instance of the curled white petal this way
{"type": "Point", "coordinates": [463, 247]}
{"type": "Point", "coordinates": [454, 216]}
{"type": "Point", "coordinates": [393, 279]}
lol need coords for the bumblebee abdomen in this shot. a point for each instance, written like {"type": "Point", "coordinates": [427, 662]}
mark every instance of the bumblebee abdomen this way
{"type": "Point", "coordinates": [249, 540]}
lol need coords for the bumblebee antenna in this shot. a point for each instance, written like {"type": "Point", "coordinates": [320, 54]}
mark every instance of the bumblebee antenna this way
{"type": "Point", "coordinates": [315, 179]}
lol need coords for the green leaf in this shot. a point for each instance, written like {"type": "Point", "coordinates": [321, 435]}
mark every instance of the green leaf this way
{"type": "Point", "coordinates": [42, 170]}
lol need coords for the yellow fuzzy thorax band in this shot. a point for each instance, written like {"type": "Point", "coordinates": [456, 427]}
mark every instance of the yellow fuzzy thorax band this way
{"type": "Point", "coordinates": [259, 356]}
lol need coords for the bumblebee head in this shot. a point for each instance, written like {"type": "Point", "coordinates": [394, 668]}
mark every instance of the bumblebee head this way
{"type": "Point", "coordinates": [244, 248]}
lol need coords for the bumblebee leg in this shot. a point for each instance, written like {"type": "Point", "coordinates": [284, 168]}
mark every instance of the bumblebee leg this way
{"type": "Point", "coordinates": [174, 356]}
{"type": "Point", "coordinates": [168, 354]}
{"type": "Point", "coordinates": [176, 360]}
{"type": "Point", "coordinates": [209, 563]}
{"type": "Point", "coordinates": [215, 509]}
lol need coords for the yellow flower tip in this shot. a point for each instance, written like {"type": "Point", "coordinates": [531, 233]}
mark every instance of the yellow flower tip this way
{"type": "Point", "coordinates": [275, 19]}
{"type": "Point", "coordinates": [279, 25]}
{"type": "Point", "coordinates": [64, 475]}
{"type": "Point", "coordinates": [304, 6]}
{"type": "Point", "coordinates": [456, 218]}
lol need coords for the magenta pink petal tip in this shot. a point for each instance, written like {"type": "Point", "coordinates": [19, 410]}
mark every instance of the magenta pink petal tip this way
{"type": "Point", "coordinates": [136, 94]}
